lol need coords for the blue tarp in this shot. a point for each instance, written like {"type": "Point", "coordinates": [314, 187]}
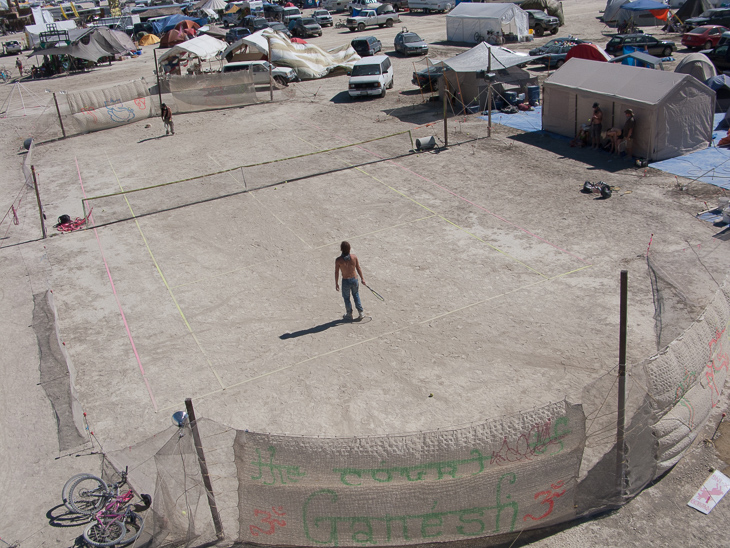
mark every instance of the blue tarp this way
{"type": "Point", "coordinates": [644, 5]}
{"type": "Point", "coordinates": [168, 23]}
{"type": "Point", "coordinates": [718, 82]}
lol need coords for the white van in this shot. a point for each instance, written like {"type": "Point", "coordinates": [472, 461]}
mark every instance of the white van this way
{"type": "Point", "coordinates": [335, 5]}
{"type": "Point", "coordinates": [371, 76]}
{"type": "Point", "coordinates": [290, 14]}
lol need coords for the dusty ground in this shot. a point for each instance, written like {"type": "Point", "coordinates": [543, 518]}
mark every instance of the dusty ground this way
{"type": "Point", "coordinates": [491, 263]}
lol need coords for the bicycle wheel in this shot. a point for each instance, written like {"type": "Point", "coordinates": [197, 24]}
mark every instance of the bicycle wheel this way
{"type": "Point", "coordinates": [134, 525]}
{"type": "Point", "coordinates": [105, 534]}
{"type": "Point", "coordinates": [67, 489]}
{"type": "Point", "coordinates": [87, 495]}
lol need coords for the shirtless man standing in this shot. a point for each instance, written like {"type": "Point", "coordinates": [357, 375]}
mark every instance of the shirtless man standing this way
{"type": "Point", "coordinates": [348, 264]}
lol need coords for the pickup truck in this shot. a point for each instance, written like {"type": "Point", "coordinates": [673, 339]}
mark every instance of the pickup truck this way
{"type": "Point", "coordinates": [428, 6]}
{"type": "Point", "coordinates": [369, 18]}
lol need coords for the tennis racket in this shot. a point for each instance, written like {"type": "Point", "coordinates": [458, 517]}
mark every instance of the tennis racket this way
{"type": "Point", "coordinates": [378, 295]}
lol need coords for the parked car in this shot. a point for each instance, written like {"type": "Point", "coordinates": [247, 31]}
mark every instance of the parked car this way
{"type": "Point", "coordinates": [279, 27]}
{"type": "Point", "coordinates": [540, 22]}
{"type": "Point", "coordinates": [555, 56]}
{"type": "Point", "coordinates": [289, 14]}
{"type": "Point", "coordinates": [540, 50]}
{"type": "Point", "coordinates": [304, 27]}
{"type": "Point", "coordinates": [367, 45]}
{"type": "Point", "coordinates": [236, 33]}
{"type": "Point", "coordinates": [371, 76]}
{"type": "Point", "coordinates": [714, 16]}
{"type": "Point", "coordinates": [273, 12]}
{"type": "Point", "coordinates": [428, 78]}
{"type": "Point", "coordinates": [254, 23]}
{"type": "Point", "coordinates": [231, 18]}
{"type": "Point", "coordinates": [323, 17]}
{"type": "Point", "coordinates": [640, 42]}
{"type": "Point", "coordinates": [260, 72]}
{"type": "Point", "coordinates": [704, 37]}
{"type": "Point", "coordinates": [720, 57]}
{"type": "Point", "coordinates": [409, 43]}
{"type": "Point", "coordinates": [12, 47]}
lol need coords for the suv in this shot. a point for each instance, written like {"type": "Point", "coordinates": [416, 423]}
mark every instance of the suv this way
{"type": "Point", "coordinates": [640, 42]}
{"type": "Point", "coordinates": [409, 43]}
{"type": "Point", "coordinates": [323, 17]}
{"type": "Point", "coordinates": [540, 22]}
{"type": "Point", "coordinates": [371, 76]}
{"type": "Point", "coordinates": [715, 16]}
{"type": "Point", "coordinates": [304, 27]}
{"type": "Point", "coordinates": [236, 33]}
{"type": "Point", "coordinates": [367, 45]}
{"type": "Point", "coordinates": [260, 72]}
{"type": "Point", "coordinates": [542, 50]}
{"type": "Point", "coordinates": [289, 14]}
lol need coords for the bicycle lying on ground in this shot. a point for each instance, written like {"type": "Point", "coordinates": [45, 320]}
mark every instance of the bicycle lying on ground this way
{"type": "Point", "coordinates": [113, 520]}
{"type": "Point", "coordinates": [341, 24]}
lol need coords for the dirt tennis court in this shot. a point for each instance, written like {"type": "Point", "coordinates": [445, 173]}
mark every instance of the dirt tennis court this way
{"type": "Point", "coordinates": [491, 277]}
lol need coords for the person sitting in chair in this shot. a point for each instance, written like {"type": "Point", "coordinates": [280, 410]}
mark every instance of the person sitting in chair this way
{"type": "Point", "coordinates": [626, 134]}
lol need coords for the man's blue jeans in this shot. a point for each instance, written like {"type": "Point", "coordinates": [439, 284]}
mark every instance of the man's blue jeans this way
{"type": "Point", "coordinates": [351, 285]}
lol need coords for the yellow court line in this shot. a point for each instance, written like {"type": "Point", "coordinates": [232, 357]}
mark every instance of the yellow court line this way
{"type": "Point", "coordinates": [389, 333]}
{"type": "Point", "coordinates": [515, 259]}
{"type": "Point", "coordinates": [164, 280]}
{"type": "Point", "coordinates": [261, 204]}
{"type": "Point", "coordinates": [227, 272]}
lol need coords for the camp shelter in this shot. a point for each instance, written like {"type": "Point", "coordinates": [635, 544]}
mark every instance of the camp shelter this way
{"type": "Point", "coordinates": [697, 65]}
{"type": "Point", "coordinates": [643, 13]}
{"type": "Point", "coordinates": [692, 8]}
{"type": "Point", "coordinates": [202, 48]}
{"type": "Point", "coordinates": [172, 38]}
{"type": "Point", "coordinates": [92, 44]}
{"type": "Point", "coordinates": [467, 75]}
{"type": "Point", "coordinates": [639, 59]}
{"type": "Point", "coordinates": [33, 32]}
{"type": "Point", "coordinates": [673, 111]}
{"type": "Point", "coordinates": [611, 11]}
{"type": "Point", "coordinates": [721, 85]}
{"type": "Point", "coordinates": [148, 40]}
{"type": "Point", "coordinates": [468, 21]}
{"type": "Point", "coordinates": [587, 51]}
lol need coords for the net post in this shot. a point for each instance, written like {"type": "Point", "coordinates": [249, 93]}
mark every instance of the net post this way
{"type": "Point", "coordinates": [218, 524]}
{"type": "Point", "coordinates": [621, 420]}
{"type": "Point", "coordinates": [157, 73]}
{"type": "Point", "coordinates": [38, 199]}
{"type": "Point", "coordinates": [58, 111]}
{"type": "Point", "coordinates": [446, 121]}
{"type": "Point", "coordinates": [271, 77]}
{"type": "Point", "coordinates": [83, 209]}
{"type": "Point", "coordinates": [411, 137]}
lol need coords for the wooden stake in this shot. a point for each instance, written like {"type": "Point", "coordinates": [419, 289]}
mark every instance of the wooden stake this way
{"type": "Point", "coordinates": [204, 470]}
{"type": "Point", "coordinates": [38, 198]}
{"type": "Point", "coordinates": [58, 111]}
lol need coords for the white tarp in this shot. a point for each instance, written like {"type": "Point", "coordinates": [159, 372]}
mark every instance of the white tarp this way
{"type": "Point", "coordinates": [467, 20]}
{"type": "Point", "coordinates": [32, 32]}
{"type": "Point", "coordinates": [478, 58]}
{"type": "Point", "coordinates": [307, 60]}
{"type": "Point", "coordinates": [674, 112]}
{"type": "Point", "coordinates": [204, 47]}
{"type": "Point", "coordinates": [214, 5]}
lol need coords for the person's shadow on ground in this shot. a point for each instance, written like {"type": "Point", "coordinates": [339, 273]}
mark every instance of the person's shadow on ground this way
{"type": "Point", "coordinates": [152, 138]}
{"type": "Point", "coordinates": [313, 330]}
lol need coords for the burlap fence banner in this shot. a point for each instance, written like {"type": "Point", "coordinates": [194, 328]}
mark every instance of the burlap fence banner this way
{"type": "Point", "coordinates": [685, 381]}
{"type": "Point", "coordinates": [94, 110]}
{"type": "Point", "coordinates": [500, 476]}
{"type": "Point", "coordinates": [192, 93]}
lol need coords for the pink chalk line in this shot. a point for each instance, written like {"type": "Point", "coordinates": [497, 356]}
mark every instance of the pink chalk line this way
{"type": "Point", "coordinates": [116, 296]}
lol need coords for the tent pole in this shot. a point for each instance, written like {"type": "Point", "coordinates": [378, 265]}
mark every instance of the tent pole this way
{"type": "Point", "coordinates": [157, 72]}
{"type": "Point", "coordinates": [446, 121]}
{"type": "Point", "coordinates": [489, 102]}
{"type": "Point", "coordinates": [271, 78]}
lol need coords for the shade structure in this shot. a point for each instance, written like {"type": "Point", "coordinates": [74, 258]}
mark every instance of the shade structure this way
{"type": "Point", "coordinates": [215, 5]}
{"type": "Point", "coordinates": [467, 21]}
{"type": "Point", "coordinates": [674, 112]}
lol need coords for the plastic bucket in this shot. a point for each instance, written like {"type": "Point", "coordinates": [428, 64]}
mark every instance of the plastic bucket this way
{"type": "Point", "coordinates": [510, 97]}
{"type": "Point", "coordinates": [533, 95]}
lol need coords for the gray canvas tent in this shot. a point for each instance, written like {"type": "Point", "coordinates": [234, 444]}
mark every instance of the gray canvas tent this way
{"type": "Point", "coordinates": [697, 65]}
{"type": "Point", "coordinates": [91, 44]}
{"type": "Point", "coordinates": [465, 74]}
{"type": "Point", "coordinates": [467, 20]}
{"type": "Point", "coordinates": [673, 111]}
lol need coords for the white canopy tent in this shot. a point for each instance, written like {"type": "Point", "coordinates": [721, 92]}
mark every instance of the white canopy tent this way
{"type": "Point", "coordinates": [467, 20]}
{"type": "Point", "coordinates": [674, 112]}
{"type": "Point", "coordinates": [205, 47]}
{"type": "Point", "coordinates": [214, 5]}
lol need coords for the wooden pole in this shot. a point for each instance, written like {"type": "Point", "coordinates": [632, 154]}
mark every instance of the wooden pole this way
{"type": "Point", "coordinates": [271, 78]}
{"type": "Point", "coordinates": [157, 73]}
{"type": "Point", "coordinates": [38, 199]}
{"type": "Point", "coordinates": [58, 111]}
{"type": "Point", "coordinates": [621, 420]}
{"type": "Point", "coordinates": [489, 111]}
{"type": "Point", "coordinates": [204, 470]}
{"type": "Point", "coordinates": [446, 120]}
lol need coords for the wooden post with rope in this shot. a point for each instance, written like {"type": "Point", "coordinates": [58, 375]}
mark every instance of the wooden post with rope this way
{"type": "Point", "coordinates": [58, 111]}
{"type": "Point", "coordinates": [38, 198]}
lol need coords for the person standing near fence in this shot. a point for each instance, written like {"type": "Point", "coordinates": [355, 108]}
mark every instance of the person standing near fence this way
{"type": "Point", "coordinates": [166, 113]}
{"type": "Point", "coordinates": [19, 64]}
{"type": "Point", "coordinates": [349, 265]}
